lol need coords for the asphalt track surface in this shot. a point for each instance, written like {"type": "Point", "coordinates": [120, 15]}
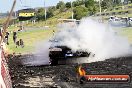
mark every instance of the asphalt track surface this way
{"type": "Point", "coordinates": [65, 76]}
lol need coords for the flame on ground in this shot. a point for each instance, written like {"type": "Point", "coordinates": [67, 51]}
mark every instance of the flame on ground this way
{"type": "Point", "coordinates": [81, 71]}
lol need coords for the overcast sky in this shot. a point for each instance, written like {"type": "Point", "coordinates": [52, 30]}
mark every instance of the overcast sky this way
{"type": "Point", "coordinates": [5, 5]}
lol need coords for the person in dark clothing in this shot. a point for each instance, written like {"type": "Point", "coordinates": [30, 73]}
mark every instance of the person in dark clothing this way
{"type": "Point", "coordinates": [17, 44]}
{"type": "Point", "coordinates": [21, 43]}
{"type": "Point", "coordinates": [21, 28]}
{"type": "Point", "coordinates": [1, 35]}
{"type": "Point", "coordinates": [0, 31]}
{"type": "Point", "coordinates": [14, 36]}
{"type": "Point", "coordinates": [6, 38]}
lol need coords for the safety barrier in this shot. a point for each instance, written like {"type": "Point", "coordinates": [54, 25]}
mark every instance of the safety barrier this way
{"type": "Point", "coordinates": [5, 79]}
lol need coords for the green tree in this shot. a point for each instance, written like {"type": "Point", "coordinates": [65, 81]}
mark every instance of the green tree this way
{"type": "Point", "coordinates": [104, 4]}
{"type": "Point", "coordinates": [53, 8]}
{"type": "Point", "coordinates": [50, 12]}
{"type": "Point", "coordinates": [80, 12]}
{"type": "Point", "coordinates": [75, 4]}
{"type": "Point", "coordinates": [62, 8]}
{"type": "Point", "coordinates": [68, 5]}
{"type": "Point", "coordinates": [78, 3]}
{"type": "Point", "coordinates": [130, 1]}
{"type": "Point", "coordinates": [60, 4]}
{"type": "Point", "coordinates": [89, 3]}
{"type": "Point", "coordinates": [92, 10]}
{"type": "Point", "coordinates": [40, 14]}
{"type": "Point", "coordinates": [107, 4]}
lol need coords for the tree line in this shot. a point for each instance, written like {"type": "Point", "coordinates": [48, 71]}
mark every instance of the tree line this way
{"type": "Point", "coordinates": [80, 8]}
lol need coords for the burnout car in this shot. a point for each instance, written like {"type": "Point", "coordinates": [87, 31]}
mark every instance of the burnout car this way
{"type": "Point", "coordinates": [60, 53]}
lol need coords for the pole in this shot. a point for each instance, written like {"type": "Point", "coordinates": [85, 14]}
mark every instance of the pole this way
{"type": "Point", "coordinates": [100, 6]}
{"type": "Point", "coordinates": [6, 24]}
{"type": "Point", "coordinates": [72, 10]}
{"type": "Point", "coordinates": [45, 11]}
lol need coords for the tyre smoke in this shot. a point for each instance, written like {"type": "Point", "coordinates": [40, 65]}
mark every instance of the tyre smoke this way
{"type": "Point", "coordinates": [97, 38]}
{"type": "Point", "coordinates": [90, 36]}
{"type": "Point", "coordinates": [41, 55]}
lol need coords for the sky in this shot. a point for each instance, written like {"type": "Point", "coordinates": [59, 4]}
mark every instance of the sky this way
{"type": "Point", "coordinates": [5, 5]}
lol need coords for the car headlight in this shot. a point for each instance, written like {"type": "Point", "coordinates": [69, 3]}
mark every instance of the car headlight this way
{"type": "Point", "coordinates": [69, 55]}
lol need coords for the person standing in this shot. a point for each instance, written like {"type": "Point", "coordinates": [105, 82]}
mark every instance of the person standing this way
{"type": "Point", "coordinates": [7, 38]}
{"type": "Point", "coordinates": [14, 36]}
{"type": "Point", "coordinates": [1, 35]}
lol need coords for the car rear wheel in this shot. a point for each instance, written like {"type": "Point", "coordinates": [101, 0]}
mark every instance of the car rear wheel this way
{"type": "Point", "coordinates": [53, 61]}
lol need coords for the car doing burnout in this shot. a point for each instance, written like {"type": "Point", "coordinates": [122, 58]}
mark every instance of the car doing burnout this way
{"type": "Point", "coordinates": [59, 53]}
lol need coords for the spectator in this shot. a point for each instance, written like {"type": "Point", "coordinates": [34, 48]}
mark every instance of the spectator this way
{"type": "Point", "coordinates": [21, 43]}
{"type": "Point", "coordinates": [6, 38]}
{"type": "Point", "coordinates": [17, 44]}
{"type": "Point", "coordinates": [21, 28]}
{"type": "Point", "coordinates": [14, 36]}
{"type": "Point", "coordinates": [0, 35]}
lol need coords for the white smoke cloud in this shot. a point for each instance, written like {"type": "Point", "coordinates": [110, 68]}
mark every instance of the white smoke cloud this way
{"type": "Point", "coordinates": [41, 55]}
{"type": "Point", "coordinates": [94, 37]}
{"type": "Point", "coordinates": [90, 36]}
